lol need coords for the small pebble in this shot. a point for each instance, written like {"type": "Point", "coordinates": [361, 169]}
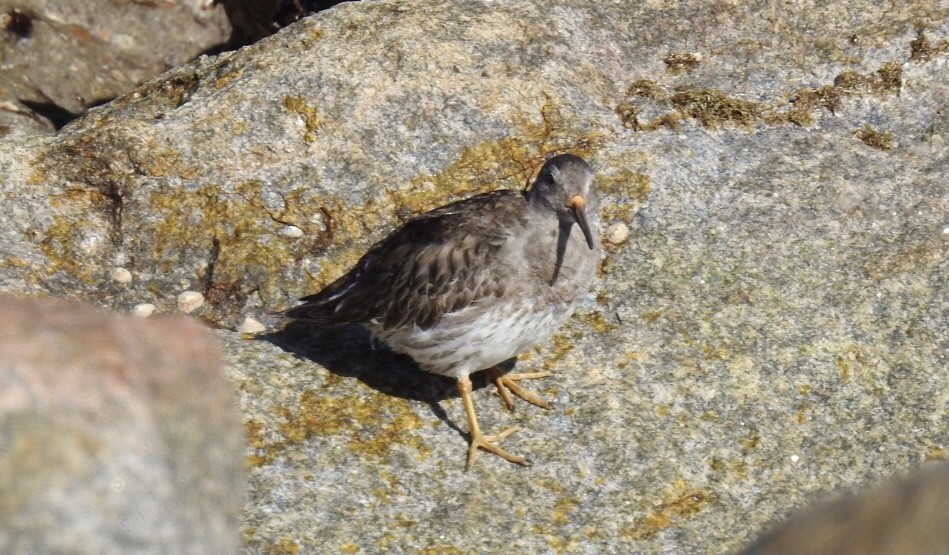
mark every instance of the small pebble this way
{"type": "Point", "coordinates": [143, 310]}
{"type": "Point", "coordinates": [291, 231]}
{"type": "Point", "coordinates": [121, 275]}
{"type": "Point", "coordinates": [617, 233]}
{"type": "Point", "coordinates": [189, 301]}
{"type": "Point", "coordinates": [250, 325]}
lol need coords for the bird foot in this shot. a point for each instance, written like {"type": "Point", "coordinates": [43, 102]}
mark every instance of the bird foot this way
{"type": "Point", "coordinates": [507, 384]}
{"type": "Point", "coordinates": [489, 444]}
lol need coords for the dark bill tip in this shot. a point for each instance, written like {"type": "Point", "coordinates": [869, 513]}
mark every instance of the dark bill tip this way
{"type": "Point", "coordinates": [579, 207]}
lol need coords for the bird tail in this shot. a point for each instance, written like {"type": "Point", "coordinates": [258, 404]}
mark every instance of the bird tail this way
{"type": "Point", "coordinates": [316, 312]}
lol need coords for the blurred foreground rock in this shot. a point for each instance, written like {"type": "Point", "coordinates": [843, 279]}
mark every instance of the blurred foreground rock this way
{"type": "Point", "coordinates": [908, 517]}
{"type": "Point", "coordinates": [117, 434]}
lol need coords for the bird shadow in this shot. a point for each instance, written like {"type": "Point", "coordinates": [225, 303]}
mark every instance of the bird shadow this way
{"type": "Point", "coordinates": [350, 351]}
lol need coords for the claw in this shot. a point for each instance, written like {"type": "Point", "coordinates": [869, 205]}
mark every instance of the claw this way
{"type": "Point", "coordinates": [478, 439]}
{"type": "Point", "coordinates": [507, 384]}
{"type": "Point", "coordinates": [489, 444]}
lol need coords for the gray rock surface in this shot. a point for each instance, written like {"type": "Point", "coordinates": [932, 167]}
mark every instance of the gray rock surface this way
{"type": "Point", "coordinates": [63, 57]}
{"type": "Point", "coordinates": [117, 434]}
{"type": "Point", "coordinates": [773, 328]}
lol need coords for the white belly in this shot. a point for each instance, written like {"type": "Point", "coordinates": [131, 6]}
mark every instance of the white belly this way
{"type": "Point", "coordinates": [477, 337]}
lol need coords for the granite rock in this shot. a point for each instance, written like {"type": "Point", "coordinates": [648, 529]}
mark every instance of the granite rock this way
{"type": "Point", "coordinates": [59, 58]}
{"type": "Point", "coordinates": [117, 435]}
{"type": "Point", "coordinates": [774, 327]}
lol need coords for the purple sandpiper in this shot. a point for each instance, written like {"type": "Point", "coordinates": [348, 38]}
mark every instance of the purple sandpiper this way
{"type": "Point", "coordinates": [472, 284]}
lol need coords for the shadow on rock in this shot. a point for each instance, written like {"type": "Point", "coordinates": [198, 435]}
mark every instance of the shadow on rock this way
{"type": "Point", "coordinates": [351, 352]}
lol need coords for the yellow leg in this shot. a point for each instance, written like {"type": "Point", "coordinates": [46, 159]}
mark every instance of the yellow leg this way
{"type": "Point", "coordinates": [507, 384]}
{"type": "Point", "coordinates": [479, 440]}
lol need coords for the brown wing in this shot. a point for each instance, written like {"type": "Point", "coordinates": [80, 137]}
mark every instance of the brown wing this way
{"type": "Point", "coordinates": [437, 263]}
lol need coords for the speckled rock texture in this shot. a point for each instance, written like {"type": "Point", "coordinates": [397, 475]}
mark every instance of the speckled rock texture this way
{"type": "Point", "coordinates": [117, 435]}
{"type": "Point", "coordinates": [773, 327]}
{"type": "Point", "coordinates": [59, 58]}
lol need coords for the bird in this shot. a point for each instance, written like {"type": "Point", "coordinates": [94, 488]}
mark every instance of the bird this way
{"type": "Point", "coordinates": [472, 284]}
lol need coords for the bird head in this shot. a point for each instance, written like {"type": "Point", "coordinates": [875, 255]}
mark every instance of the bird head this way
{"type": "Point", "coordinates": [565, 185]}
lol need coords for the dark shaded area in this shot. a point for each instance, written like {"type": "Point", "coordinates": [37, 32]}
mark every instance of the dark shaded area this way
{"type": "Point", "coordinates": [253, 20]}
{"type": "Point", "coordinates": [351, 352]}
{"type": "Point", "coordinates": [57, 115]}
{"type": "Point", "coordinates": [18, 22]}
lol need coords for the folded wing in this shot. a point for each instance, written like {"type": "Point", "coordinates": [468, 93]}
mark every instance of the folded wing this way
{"type": "Point", "coordinates": [440, 262]}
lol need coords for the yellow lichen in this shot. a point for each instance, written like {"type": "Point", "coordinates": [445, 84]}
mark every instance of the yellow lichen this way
{"type": "Point", "coordinates": [714, 109]}
{"type": "Point", "coordinates": [750, 443]}
{"type": "Point", "coordinates": [60, 246]}
{"type": "Point", "coordinates": [921, 49]}
{"type": "Point", "coordinates": [562, 344]}
{"type": "Point", "coordinates": [598, 322]}
{"type": "Point", "coordinates": [646, 89]}
{"type": "Point", "coordinates": [371, 431]}
{"type": "Point", "coordinates": [800, 412]}
{"type": "Point", "coordinates": [936, 453]}
{"type": "Point", "coordinates": [284, 546]}
{"type": "Point", "coordinates": [679, 62]}
{"type": "Point", "coordinates": [626, 189]}
{"type": "Point", "coordinates": [228, 76]}
{"type": "Point", "coordinates": [881, 140]}
{"type": "Point", "coordinates": [681, 503]}
{"type": "Point", "coordinates": [311, 118]}
{"type": "Point", "coordinates": [650, 316]}
{"type": "Point", "coordinates": [888, 80]}
{"type": "Point", "coordinates": [804, 102]}
{"type": "Point", "coordinates": [505, 164]}
{"type": "Point", "coordinates": [441, 550]}
{"type": "Point", "coordinates": [486, 166]}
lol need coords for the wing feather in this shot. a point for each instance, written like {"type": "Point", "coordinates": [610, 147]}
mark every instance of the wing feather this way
{"type": "Point", "coordinates": [440, 262]}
